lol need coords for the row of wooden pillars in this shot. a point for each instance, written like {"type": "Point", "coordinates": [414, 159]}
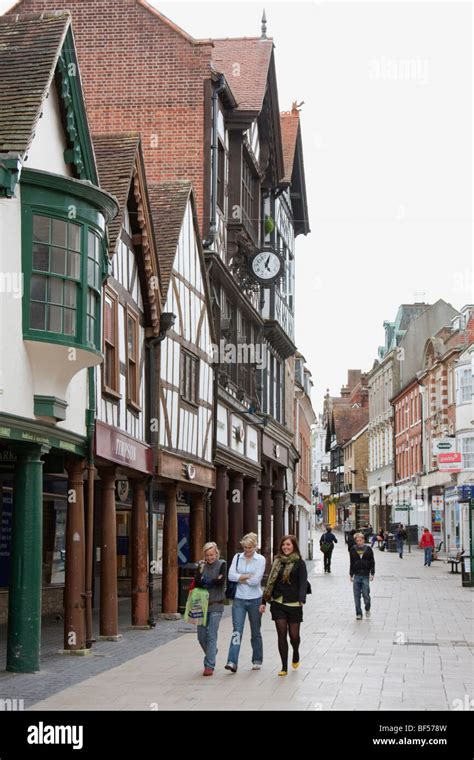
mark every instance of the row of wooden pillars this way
{"type": "Point", "coordinates": [74, 590]}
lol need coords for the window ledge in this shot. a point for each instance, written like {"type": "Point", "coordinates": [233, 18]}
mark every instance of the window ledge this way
{"type": "Point", "coordinates": [110, 393]}
{"type": "Point", "coordinates": [133, 407]}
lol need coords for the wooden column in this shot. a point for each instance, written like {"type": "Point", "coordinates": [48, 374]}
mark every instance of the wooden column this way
{"type": "Point", "coordinates": [219, 521]}
{"type": "Point", "coordinates": [108, 557]}
{"type": "Point", "coordinates": [139, 554]}
{"type": "Point", "coordinates": [236, 514]}
{"type": "Point", "coordinates": [170, 553]}
{"type": "Point", "coordinates": [278, 494]}
{"type": "Point", "coordinates": [197, 527]}
{"type": "Point", "coordinates": [250, 506]}
{"type": "Point", "coordinates": [74, 585]}
{"type": "Point", "coordinates": [266, 547]}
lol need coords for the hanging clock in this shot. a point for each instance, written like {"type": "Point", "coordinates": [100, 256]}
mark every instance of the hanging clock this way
{"type": "Point", "coordinates": [266, 266]}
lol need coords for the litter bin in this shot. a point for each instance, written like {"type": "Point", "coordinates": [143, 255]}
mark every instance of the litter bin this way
{"type": "Point", "coordinates": [466, 579]}
{"type": "Point", "coordinates": [185, 575]}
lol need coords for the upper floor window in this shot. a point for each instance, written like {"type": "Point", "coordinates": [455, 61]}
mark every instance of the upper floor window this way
{"type": "Point", "coordinates": [464, 378]}
{"type": "Point", "coordinates": [111, 350]}
{"type": "Point", "coordinates": [133, 377]}
{"type": "Point", "coordinates": [63, 280]}
{"type": "Point", "coordinates": [467, 449]}
{"type": "Point", "coordinates": [55, 276]}
{"type": "Point", "coordinates": [189, 385]}
{"type": "Point", "coordinates": [221, 176]}
{"type": "Point", "coordinates": [250, 198]}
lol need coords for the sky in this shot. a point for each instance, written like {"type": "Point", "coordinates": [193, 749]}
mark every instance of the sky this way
{"type": "Point", "coordinates": [386, 125]}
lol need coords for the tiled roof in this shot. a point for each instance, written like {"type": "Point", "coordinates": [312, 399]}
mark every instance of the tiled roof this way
{"type": "Point", "coordinates": [245, 62]}
{"type": "Point", "coordinates": [168, 203]}
{"type": "Point", "coordinates": [29, 49]}
{"type": "Point", "coordinates": [116, 156]}
{"type": "Point", "coordinates": [348, 421]}
{"type": "Point", "coordinates": [289, 122]}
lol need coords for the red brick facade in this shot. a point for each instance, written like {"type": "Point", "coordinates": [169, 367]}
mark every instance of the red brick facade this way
{"type": "Point", "coordinates": [141, 72]}
{"type": "Point", "coordinates": [408, 433]}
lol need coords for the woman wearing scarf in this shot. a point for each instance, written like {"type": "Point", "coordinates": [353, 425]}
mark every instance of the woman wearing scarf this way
{"type": "Point", "coordinates": [286, 590]}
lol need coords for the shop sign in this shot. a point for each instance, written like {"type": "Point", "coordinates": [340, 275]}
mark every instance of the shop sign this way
{"type": "Point", "coordinates": [118, 447]}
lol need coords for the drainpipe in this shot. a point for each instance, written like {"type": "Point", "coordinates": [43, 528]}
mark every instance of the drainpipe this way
{"type": "Point", "coordinates": [90, 507]}
{"type": "Point", "coordinates": [214, 150]}
{"type": "Point", "coordinates": [167, 321]}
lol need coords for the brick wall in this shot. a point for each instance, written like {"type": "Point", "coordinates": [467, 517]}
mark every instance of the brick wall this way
{"type": "Point", "coordinates": [140, 74]}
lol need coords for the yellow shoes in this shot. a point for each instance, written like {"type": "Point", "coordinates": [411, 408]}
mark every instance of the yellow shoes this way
{"type": "Point", "coordinates": [283, 673]}
{"type": "Point", "coordinates": [295, 665]}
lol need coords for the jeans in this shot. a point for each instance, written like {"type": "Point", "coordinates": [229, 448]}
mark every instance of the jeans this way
{"type": "Point", "coordinates": [361, 586]}
{"type": "Point", "coordinates": [400, 547]}
{"type": "Point", "coordinates": [240, 608]}
{"type": "Point", "coordinates": [428, 555]}
{"type": "Point", "coordinates": [327, 558]}
{"type": "Point", "coordinates": [207, 637]}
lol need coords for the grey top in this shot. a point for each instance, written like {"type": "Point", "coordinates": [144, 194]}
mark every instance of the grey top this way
{"type": "Point", "coordinates": [207, 577]}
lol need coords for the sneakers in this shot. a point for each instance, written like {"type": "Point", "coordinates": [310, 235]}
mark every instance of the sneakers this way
{"type": "Point", "coordinates": [367, 613]}
{"type": "Point", "coordinates": [256, 666]}
{"type": "Point", "coordinates": [208, 672]}
{"type": "Point", "coordinates": [230, 666]}
{"type": "Point", "coordinates": [359, 616]}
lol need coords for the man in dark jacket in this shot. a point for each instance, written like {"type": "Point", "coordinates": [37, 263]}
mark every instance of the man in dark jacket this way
{"type": "Point", "coordinates": [326, 544]}
{"type": "Point", "coordinates": [362, 568]}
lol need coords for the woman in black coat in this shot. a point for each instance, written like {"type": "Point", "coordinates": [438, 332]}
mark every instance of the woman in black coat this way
{"type": "Point", "coordinates": [286, 589]}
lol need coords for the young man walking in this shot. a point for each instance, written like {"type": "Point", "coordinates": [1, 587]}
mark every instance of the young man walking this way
{"type": "Point", "coordinates": [361, 572]}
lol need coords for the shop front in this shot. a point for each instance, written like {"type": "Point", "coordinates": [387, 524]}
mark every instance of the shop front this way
{"type": "Point", "coordinates": [124, 467]}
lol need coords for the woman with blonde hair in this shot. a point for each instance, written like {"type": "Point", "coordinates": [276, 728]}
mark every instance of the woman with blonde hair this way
{"type": "Point", "coordinates": [211, 575]}
{"type": "Point", "coordinates": [246, 571]}
{"type": "Point", "coordinates": [286, 589]}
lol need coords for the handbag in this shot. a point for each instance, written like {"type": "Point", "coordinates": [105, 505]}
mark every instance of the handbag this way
{"type": "Point", "coordinates": [232, 585]}
{"type": "Point", "coordinates": [308, 588]}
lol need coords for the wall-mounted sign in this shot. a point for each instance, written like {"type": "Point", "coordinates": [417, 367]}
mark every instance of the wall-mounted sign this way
{"type": "Point", "coordinates": [444, 446]}
{"type": "Point", "coordinates": [450, 462]}
{"type": "Point", "coordinates": [189, 471]}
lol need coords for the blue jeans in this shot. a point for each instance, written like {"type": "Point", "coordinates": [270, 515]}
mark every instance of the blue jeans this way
{"type": "Point", "coordinates": [361, 586]}
{"type": "Point", "coordinates": [400, 548]}
{"type": "Point", "coordinates": [240, 608]}
{"type": "Point", "coordinates": [207, 637]}
{"type": "Point", "coordinates": [428, 555]}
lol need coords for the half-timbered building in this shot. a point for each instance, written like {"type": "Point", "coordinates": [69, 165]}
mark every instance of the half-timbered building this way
{"type": "Point", "coordinates": [185, 469]}
{"type": "Point", "coordinates": [123, 454]}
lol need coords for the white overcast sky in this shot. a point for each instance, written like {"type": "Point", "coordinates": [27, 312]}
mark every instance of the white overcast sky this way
{"type": "Point", "coordinates": [387, 125]}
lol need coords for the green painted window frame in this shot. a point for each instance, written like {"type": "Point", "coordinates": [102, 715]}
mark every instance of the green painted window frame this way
{"type": "Point", "coordinates": [56, 204]}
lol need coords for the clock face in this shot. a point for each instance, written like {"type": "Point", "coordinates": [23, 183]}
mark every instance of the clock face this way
{"type": "Point", "coordinates": [266, 265]}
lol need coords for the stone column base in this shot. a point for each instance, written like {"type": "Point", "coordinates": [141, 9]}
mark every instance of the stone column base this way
{"type": "Point", "coordinates": [76, 652]}
{"type": "Point", "coordinates": [118, 637]}
{"type": "Point", "coordinates": [169, 616]}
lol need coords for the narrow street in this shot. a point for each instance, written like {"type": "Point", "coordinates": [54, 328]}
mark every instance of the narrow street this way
{"type": "Point", "coordinates": [415, 653]}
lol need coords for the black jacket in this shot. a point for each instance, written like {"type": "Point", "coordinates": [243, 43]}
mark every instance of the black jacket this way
{"type": "Point", "coordinates": [364, 565]}
{"type": "Point", "coordinates": [295, 590]}
{"type": "Point", "coordinates": [328, 538]}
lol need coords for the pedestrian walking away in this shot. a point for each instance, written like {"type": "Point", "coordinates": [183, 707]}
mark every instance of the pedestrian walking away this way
{"type": "Point", "coordinates": [246, 570]}
{"type": "Point", "coordinates": [361, 572]}
{"type": "Point", "coordinates": [427, 543]}
{"type": "Point", "coordinates": [400, 536]}
{"type": "Point", "coordinates": [350, 539]}
{"type": "Point", "coordinates": [286, 589]}
{"type": "Point", "coordinates": [326, 544]}
{"type": "Point", "coordinates": [211, 575]}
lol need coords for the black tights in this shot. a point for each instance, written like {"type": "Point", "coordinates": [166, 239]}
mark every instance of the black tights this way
{"type": "Point", "coordinates": [283, 627]}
